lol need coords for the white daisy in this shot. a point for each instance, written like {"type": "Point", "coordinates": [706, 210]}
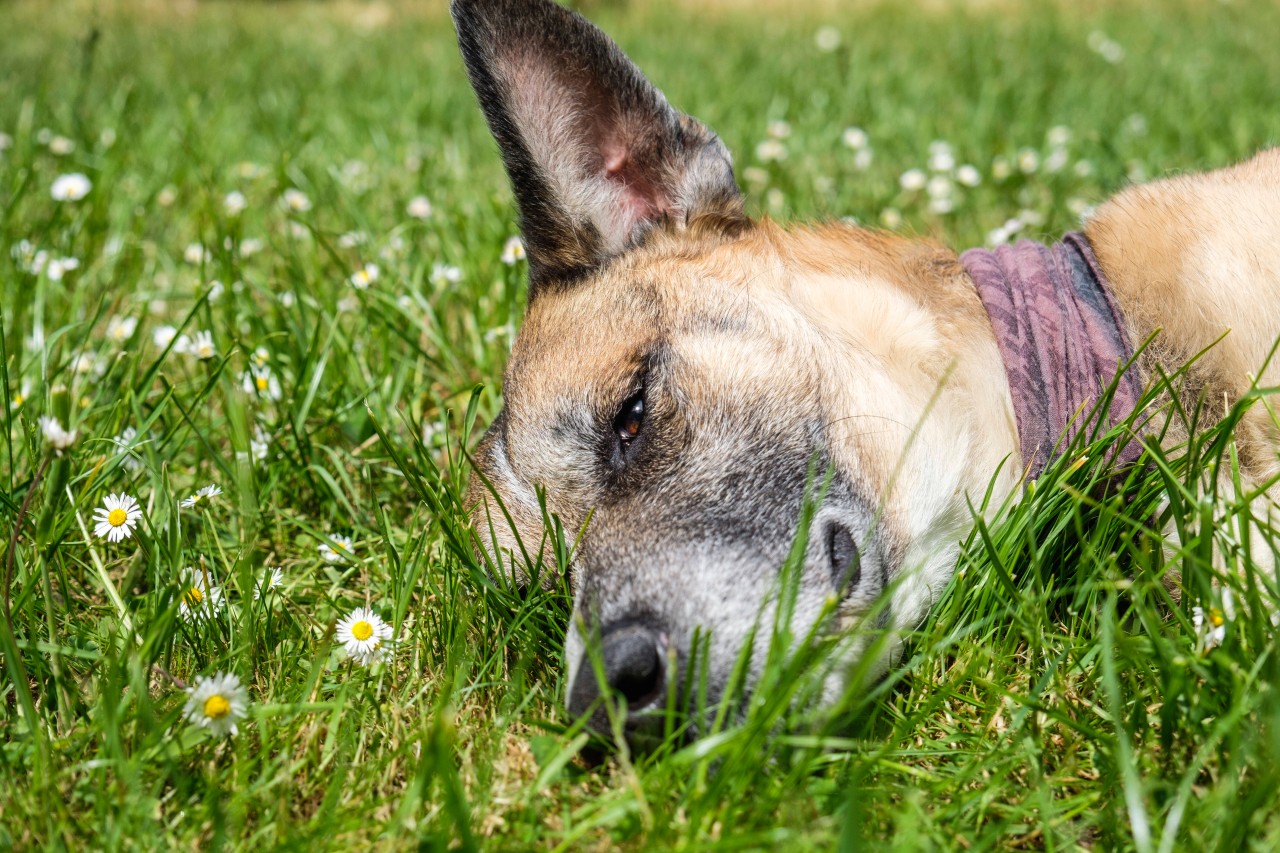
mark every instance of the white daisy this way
{"type": "Point", "coordinates": [124, 445]}
{"type": "Point", "coordinates": [120, 329]}
{"type": "Point", "coordinates": [61, 146]}
{"type": "Point", "coordinates": [419, 207]}
{"type": "Point", "coordinates": [163, 336]}
{"type": "Point", "coordinates": [941, 157]}
{"type": "Point", "coordinates": [891, 217]}
{"type": "Point", "coordinates": [1028, 160]}
{"type": "Point", "coordinates": [55, 436]}
{"type": "Point", "coordinates": [56, 268]}
{"type": "Point", "coordinates": [365, 276]}
{"type": "Point", "coordinates": [234, 203]}
{"type": "Point", "coordinates": [344, 550]}
{"type": "Point", "coordinates": [20, 396]}
{"type": "Point", "coordinates": [913, 180]}
{"type": "Point", "coordinates": [365, 636]}
{"type": "Point", "coordinates": [855, 138]}
{"type": "Point", "coordinates": [968, 175]}
{"type": "Point", "coordinates": [117, 517]}
{"type": "Point", "coordinates": [71, 187]}
{"type": "Point", "coordinates": [196, 253]}
{"type": "Point", "coordinates": [216, 703]}
{"type": "Point", "coordinates": [771, 150]}
{"type": "Point", "coordinates": [167, 196]}
{"type": "Point", "coordinates": [513, 251]}
{"type": "Point", "coordinates": [199, 598]}
{"type": "Point", "coordinates": [441, 273]}
{"type": "Point", "coordinates": [202, 345]}
{"type": "Point", "coordinates": [295, 200]}
{"type": "Point", "coordinates": [1211, 625]}
{"type": "Point", "coordinates": [271, 578]}
{"type": "Point", "coordinates": [201, 497]}
{"type": "Point", "coordinates": [262, 382]}
{"type": "Point", "coordinates": [827, 39]}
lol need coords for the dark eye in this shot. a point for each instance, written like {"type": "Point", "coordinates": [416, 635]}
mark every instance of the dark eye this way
{"type": "Point", "coordinates": [629, 420]}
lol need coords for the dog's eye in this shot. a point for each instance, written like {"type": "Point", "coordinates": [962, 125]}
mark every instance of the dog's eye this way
{"type": "Point", "coordinates": [627, 424]}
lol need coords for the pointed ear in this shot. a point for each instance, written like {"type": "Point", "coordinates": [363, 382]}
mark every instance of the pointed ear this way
{"type": "Point", "coordinates": [595, 154]}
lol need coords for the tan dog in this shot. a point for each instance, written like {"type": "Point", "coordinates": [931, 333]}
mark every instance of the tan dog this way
{"type": "Point", "coordinates": [683, 371]}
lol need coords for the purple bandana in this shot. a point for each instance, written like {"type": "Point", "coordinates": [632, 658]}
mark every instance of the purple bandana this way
{"type": "Point", "coordinates": [1061, 339]}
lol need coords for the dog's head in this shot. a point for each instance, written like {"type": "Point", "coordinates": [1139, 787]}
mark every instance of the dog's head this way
{"type": "Point", "coordinates": [687, 379]}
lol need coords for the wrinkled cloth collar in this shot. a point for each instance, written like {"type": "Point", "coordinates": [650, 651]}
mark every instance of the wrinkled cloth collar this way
{"type": "Point", "coordinates": [1062, 341]}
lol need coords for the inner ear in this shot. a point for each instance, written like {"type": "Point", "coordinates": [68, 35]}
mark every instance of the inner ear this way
{"type": "Point", "coordinates": [595, 154]}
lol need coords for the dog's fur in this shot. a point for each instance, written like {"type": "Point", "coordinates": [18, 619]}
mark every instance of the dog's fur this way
{"type": "Point", "coordinates": [764, 354]}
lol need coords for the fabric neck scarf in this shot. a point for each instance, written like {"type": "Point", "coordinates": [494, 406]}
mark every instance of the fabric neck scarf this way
{"type": "Point", "coordinates": [1061, 339]}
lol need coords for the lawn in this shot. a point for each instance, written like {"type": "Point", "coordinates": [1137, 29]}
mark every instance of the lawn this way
{"type": "Point", "coordinates": [281, 273]}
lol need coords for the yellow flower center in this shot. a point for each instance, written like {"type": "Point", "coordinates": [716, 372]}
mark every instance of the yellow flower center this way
{"type": "Point", "coordinates": [19, 399]}
{"type": "Point", "coordinates": [194, 596]}
{"type": "Point", "coordinates": [362, 630]}
{"type": "Point", "coordinates": [216, 707]}
{"type": "Point", "coordinates": [117, 517]}
{"type": "Point", "coordinates": [1216, 618]}
{"type": "Point", "coordinates": [262, 383]}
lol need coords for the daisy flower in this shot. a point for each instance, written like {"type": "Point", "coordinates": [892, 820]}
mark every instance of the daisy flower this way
{"type": "Point", "coordinates": [202, 345]}
{"type": "Point", "coordinates": [365, 276]}
{"type": "Point", "coordinates": [261, 357]}
{"type": "Point", "coordinates": [120, 329]}
{"type": "Point", "coordinates": [295, 201]}
{"type": "Point", "coordinates": [71, 187]}
{"type": "Point", "coordinates": [261, 381]}
{"type": "Point", "coordinates": [202, 496]}
{"type": "Point", "coordinates": [234, 203]}
{"type": "Point", "coordinates": [771, 150]}
{"type": "Point", "coordinates": [117, 517]}
{"type": "Point", "coordinates": [163, 336]}
{"type": "Point", "coordinates": [855, 138]}
{"type": "Point", "coordinates": [513, 251]}
{"type": "Point", "coordinates": [56, 268]}
{"type": "Point", "coordinates": [827, 39]}
{"type": "Point", "coordinates": [55, 436]}
{"type": "Point", "coordinates": [216, 703]}
{"type": "Point", "coordinates": [913, 180]}
{"type": "Point", "coordinates": [271, 578]}
{"type": "Point", "coordinates": [20, 396]}
{"type": "Point", "coordinates": [195, 253]}
{"type": "Point", "coordinates": [365, 636]}
{"type": "Point", "coordinates": [199, 596]}
{"type": "Point", "coordinates": [124, 445]}
{"type": "Point", "coordinates": [1211, 624]}
{"type": "Point", "coordinates": [345, 549]}
{"type": "Point", "coordinates": [968, 175]}
{"type": "Point", "coordinates": [419, 207]}
{"type": "Point", "coordinates": [441, 273]}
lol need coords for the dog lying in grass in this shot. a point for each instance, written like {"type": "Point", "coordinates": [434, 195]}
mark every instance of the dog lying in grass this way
{"type": "Point", "coordinates": [685, 375]}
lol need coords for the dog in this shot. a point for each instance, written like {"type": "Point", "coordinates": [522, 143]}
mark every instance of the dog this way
{"type": "Point", "coordinates": [685, 374]}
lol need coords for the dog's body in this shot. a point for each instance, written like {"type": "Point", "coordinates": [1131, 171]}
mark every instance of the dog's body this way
{"type": "Point", "coordinates": [683, 371]}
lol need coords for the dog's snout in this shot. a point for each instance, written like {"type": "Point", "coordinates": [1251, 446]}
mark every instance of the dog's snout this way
{"type": "Point", "coordinates": [633, 666]}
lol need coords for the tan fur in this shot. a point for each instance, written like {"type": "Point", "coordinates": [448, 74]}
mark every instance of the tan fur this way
{"type": "Point", "coordinates": [1195, 258]}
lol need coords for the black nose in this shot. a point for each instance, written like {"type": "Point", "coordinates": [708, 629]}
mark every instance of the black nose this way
{"type": "Point", "coordinates": [633, 666]}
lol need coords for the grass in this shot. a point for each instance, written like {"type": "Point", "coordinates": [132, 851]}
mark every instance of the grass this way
{"type": "Point", "coordinates": [1058, 697]}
